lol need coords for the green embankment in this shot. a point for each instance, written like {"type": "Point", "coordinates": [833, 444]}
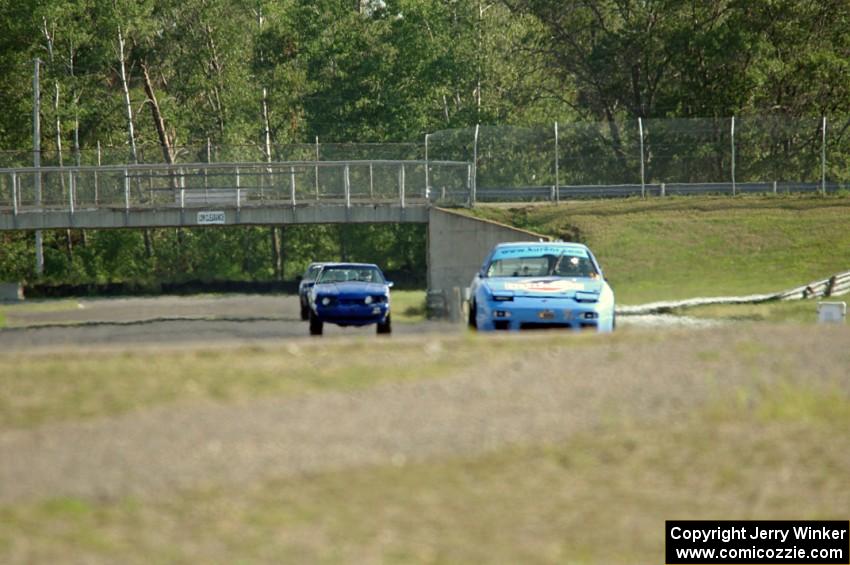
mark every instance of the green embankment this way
{"type": "Point", "coordinates": [675, 248]}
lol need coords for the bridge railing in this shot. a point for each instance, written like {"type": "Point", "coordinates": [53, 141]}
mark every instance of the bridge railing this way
{"type": "Point", "coordinates": [293, 183]}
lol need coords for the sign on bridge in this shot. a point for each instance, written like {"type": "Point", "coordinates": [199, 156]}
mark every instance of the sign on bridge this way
{"type": "Point", "coordinates": [210, 218]}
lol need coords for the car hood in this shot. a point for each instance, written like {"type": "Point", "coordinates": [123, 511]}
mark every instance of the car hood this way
{"type": "Point", "coordinates": [351, 288]}
{"type": "Point", "coordinates": [544, 286]}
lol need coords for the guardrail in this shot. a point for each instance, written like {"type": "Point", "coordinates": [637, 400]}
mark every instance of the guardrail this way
{"type": "Point", "coordinates": [836, 285]}
{"type": "Point", "coordinates": [235, 184]}
{"type": "Point", "coordinates": [553, 193]}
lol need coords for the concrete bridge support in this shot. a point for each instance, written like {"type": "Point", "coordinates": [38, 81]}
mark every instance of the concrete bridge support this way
{"type": "Point", "coordinates": [458, 244]}
{"type": "Point", "coordinates": [11, 292]}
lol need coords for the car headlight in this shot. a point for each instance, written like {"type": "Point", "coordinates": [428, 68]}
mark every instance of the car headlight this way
{"type": "Point", "coordinates": [368, 300]}
{"type": "Point", "coordinates": [326, 300]}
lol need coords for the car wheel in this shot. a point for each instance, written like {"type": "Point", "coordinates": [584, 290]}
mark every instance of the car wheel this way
{"type": "Point", "coordinates": [305, 312]}
{"type": "Point", "coordinates": [473, 315]}
{"type": "Point", "coordinates": [316, 325]}
{"type": "Point", "coordinates": [385, 327]}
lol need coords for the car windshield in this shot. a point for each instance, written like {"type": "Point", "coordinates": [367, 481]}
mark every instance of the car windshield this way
{"type": "Point", "coordinates": [560, 264]}
{"type": "Point", "coordinates": [350, 274]}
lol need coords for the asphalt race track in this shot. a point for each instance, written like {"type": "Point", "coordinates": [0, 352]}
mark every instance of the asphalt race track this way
{"type": "Point", "coordinates": [171, 320]}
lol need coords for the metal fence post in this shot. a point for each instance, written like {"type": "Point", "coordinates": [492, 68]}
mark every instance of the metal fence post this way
{"type": "Point", "coordinates": [126, 190]}
{"type": "Point", "coordinates": [346, 185]}
{"type": "Point", "coordinates": [206, 180]}
{"type": "Point", "coordinates": [182, 198]}
{"type": "Point", "coordinates": [557, 177]}
{"type": "Point", "coordinates": [95, 173]}
{"type": "Point", "coordinates": [14, 194]}
{"type": "Point", "coordinates": [469, 183]}
{"type": "Point", "coordinates": [427, 172]}
{"type": "Point", "coordinates": [473, 194]}
{"type": "Point", "coordinates": [70, 192]}
{"type": "Point", "coordinates": [823, 159]}
{"type": "Point", "coordinates": [642, 162]}
{"type": "Point", "coordinates": [401, 184]}
{"type": "Point", "coordinates": [292, 185]}
{"type": "Point", "coordinates": [317, 167]}
{"type": "Point", "coordinates": [371, 180]}
{"type": "Point", "coordinates": [734, 190]}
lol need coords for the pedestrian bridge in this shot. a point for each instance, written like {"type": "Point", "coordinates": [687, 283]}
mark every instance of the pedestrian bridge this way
{"type": "Point", "coordinates": [276, 193]}
{"type": "Point", "coordinates": [301, 192]}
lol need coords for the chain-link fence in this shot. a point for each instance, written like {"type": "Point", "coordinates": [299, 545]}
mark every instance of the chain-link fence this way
{"type": "Point", "coordinates": [664, 156]}
{"type": "Point", "coordinates": [212, 153]}
{"type": "Point", "coordinates": [651, 156]}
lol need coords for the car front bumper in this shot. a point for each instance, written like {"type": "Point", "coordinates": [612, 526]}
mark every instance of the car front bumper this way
{"type": "Point", "coordinates": [353, 315]}
{"type": "Point", "coordinates": [532, 313]}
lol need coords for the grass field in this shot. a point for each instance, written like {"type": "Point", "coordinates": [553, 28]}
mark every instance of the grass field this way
{"type": "Point", "coordinates": [674, 248]}
{"type": "Point", "coordinates": [408, 306]}
{"type": "Point", "coordinates": [40, 388]}
{"type": "Point", "coordinates": [39, 306]}
{"type": "Point", "coordinates": [754, 425]}
{"type": "Point", "coordinates": [600, 498]}
{"type": "Point", "coordinates": [795, 311]}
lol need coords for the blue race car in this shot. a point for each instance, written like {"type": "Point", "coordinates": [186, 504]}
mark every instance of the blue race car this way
{"type": "Point", "coordinates": [350, 294]}
{"type": "Point", "coordinates": [541, 285]}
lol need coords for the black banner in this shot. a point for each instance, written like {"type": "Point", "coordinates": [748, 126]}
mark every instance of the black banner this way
{"type": "Point", "coordinates": [815, 542]}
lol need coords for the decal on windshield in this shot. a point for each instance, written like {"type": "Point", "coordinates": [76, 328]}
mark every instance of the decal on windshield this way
{"type": "Point", "coordinates": [539, 251]}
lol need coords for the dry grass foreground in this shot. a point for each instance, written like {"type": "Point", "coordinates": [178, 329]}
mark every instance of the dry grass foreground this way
{"type": "Point", "coordinates": [530, 448]}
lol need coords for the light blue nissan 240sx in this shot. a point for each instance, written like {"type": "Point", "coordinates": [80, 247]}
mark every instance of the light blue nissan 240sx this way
{"type": "Point", "coordinates": [528, 285]}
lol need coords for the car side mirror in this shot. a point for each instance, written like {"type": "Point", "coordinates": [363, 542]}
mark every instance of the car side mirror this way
{"type": "Point", "coordinates": [389, 284]}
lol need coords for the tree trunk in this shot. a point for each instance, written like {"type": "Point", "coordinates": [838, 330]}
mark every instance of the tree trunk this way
{"type": "Point", "coordinates": [156, 114]}
{"type": "Point", "coordinates": [276, 253]}
{"type": "Point", "coordinates": [343, 236]}
{"type": "Point", "coordinates": [84, 240]}
{"type": "Point", "coordinates": [282, 252]}
{"type": "Point", "coordinates": [69, 245]}
{"type": "Point", "coordinates": [267, 133]}
{"type": "Point", "coordinates": [148, 243]}
{"type": "Point", "coordinates": [128, 107]}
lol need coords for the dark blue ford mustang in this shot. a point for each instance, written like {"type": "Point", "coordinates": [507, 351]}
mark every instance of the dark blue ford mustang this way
{"type": "Point", "coordinates": [350, 294]}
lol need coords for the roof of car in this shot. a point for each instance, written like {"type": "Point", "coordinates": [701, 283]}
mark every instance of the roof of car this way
{"type": "Point", "coordinates": [354, 265]}
{"type": "Point", "coordinates": [542, 243]}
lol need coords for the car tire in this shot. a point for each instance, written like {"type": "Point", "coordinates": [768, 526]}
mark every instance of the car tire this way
{"type": "Point", "coordinates": [316, 325]}
{"type": "Point", "coordinates": [385, 327]}
{"type": "Point", "coordinates": [473, 315]}
{"type": "Point", "coordinates": [305, 312]}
